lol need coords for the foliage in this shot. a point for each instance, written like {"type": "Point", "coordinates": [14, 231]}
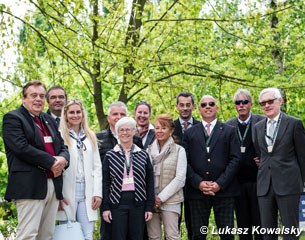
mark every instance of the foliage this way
{"type": "Point", "coordinates": [103, 51]}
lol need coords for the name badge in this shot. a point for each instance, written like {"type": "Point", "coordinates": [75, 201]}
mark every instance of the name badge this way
{"type": "Point", "coordinates": [48, 139]}
{"type": "Point", "coordinates": [128, 180]}
{"type": "Point", "coordinates": [208, 149]}
{"type": "Point", "coordinates": [242, 149]}
{"type": "Point", "coordinates": [270, 148]}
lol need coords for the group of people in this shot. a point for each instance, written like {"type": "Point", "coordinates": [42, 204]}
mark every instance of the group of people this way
{"type": "Point", "coordinates": [141, 177]}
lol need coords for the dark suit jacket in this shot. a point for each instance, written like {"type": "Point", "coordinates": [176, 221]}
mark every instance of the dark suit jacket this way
{"type": "Point", "coordinates": [150, 138]}
{"type": "Point", "coordinates": [285, 165]}
{"type": "Point", "coordinates": [178, 129]}
{"type": "Point", "coordinates": [27, 160]}
{"type": "Point", "coordinates": [224, 160]}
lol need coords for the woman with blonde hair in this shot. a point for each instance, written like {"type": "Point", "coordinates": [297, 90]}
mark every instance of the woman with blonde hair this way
{"type": "Point", "coordinates": [82, 188]}
{"type": "Point", "coordinates": [169, 163]}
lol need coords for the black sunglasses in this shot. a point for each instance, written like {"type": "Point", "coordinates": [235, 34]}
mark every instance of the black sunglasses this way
{"type": "Point", "coordinates": [271, 101]}
{"type": "Point", "coordinates": [204, 104]}
{"type": "Point", "coordinates": [244, 102]}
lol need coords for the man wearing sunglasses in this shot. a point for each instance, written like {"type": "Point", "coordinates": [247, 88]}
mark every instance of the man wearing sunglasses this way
{"type": "Point", "coordinates": [280, 142]}
{"type": "Point", "coordinates": [213, 155]}
{"type": "Point", "coordinates": [246, 205]}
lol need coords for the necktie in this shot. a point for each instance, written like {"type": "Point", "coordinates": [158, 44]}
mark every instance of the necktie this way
{"type": "Point", "coordinates": [57, 120]}
{"type": "Point", "coordinates": [244, 123]}
{"type": "Point", "coordinates": [185, 125]}
{"type": "Point", "coordinates": [271, 131]}
{"type": "Point", "coordinates": [208, 126]}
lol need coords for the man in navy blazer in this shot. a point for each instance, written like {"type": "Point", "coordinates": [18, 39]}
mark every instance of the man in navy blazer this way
{"type": "Point", "coordinates": [280, 142]}
{"type": "Point", "coordinates": [36, 156]}
{"type": "Point", "coordinates": [213, 156]}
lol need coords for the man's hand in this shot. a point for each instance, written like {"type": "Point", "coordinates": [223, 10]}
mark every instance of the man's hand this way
{"type": "Point", "coordinates": [58, 165]}
{"type": "Point", "coordinates": [206, 188]}
{"type": "Point", "coordinates": [257, 160]}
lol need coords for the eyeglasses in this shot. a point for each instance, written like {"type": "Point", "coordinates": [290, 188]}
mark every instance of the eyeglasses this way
{"type": "Point", "coordinates": [127, 130]}
{"type": "Point", "coordinates": [204, 104]}
{"type": "Point", "coordinates": [271, 101]}
{"type": "Point", "coordinates": [244, 102]}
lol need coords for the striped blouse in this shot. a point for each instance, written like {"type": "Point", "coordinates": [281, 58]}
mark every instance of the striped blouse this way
{"type": "Point", "coordinates": [113, 170]}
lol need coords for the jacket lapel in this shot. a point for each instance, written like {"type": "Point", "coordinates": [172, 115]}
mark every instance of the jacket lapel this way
{"type": "Point", "coordinates": [31, 123]}
{"type": "Point", "coordinates": [216, 133]}
{"type": "Point", "coordinates": [281, 130]}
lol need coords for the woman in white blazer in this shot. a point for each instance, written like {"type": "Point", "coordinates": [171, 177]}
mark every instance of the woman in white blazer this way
{"type": "Point", "coordinates": [82, 187]}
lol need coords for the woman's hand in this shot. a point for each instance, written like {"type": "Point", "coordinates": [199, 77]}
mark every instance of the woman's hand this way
{"type": "Point", "coordinates": [107, 216]}
{"type": "Point", "coordinates": [157, 202]}
{"type": "Point", "coordinates": [148, 216]}
{"type": "Point", "coordinates": [62, 204]}
{"type": "Point", "coordinates": [96, 202]}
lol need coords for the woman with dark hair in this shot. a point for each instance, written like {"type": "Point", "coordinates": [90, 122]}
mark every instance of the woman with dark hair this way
{"type": "Point", "coordinates": [144, 128]}
{"type": "Point", "coordinates": [127, 185]}
{"type": "Point", "coordinates": [169, 163]}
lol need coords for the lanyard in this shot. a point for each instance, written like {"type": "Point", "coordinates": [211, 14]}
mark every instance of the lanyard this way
{"type": "Point", "coordinates": [127, 163]}
{"type": "Point", "coordinates": [272, 138]}
{"type": "Point", "coordinates": [242, 138]}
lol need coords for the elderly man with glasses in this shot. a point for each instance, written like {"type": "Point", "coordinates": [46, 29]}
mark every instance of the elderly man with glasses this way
{"type": "Point", "coordinates": [280, 142]}
{"type": "Point", "coordinates": [213, 156]}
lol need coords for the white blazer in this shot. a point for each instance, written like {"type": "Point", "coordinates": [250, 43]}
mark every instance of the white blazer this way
{"type": "Point", "coordinates": [93, 180]}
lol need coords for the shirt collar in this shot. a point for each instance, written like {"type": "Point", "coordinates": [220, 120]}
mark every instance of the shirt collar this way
{"type": "Point", "coordinates": [213, 123]}
{"type": "Point", "coordinates": [247, 120]}
{"type": "Point", "coordinates": [276, 118]}
{"type": "Point", "coordinates": [190, 121]}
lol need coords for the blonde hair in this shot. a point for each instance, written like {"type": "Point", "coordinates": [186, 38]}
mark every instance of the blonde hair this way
{"type": "Point", "coordinates": [64, 126]}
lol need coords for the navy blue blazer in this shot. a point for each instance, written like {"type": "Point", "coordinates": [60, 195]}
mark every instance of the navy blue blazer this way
{"type": "Point", "coordinates": [27, 159]}
{"type": "Point", "coordinates": [220, 165]}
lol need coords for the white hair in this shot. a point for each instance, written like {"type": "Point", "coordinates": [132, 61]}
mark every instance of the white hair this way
{"type": "Point", "coordinates": [125, 120]}
{"type": "Point", "coordinates": [274, 91]}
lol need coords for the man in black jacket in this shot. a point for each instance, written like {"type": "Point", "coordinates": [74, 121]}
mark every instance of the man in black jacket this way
{"type": "Point", "coordinates": [185, 106]}
{"type": "Point", "coordinates": [107, 139]}
{"type": "Point", "coordinates": [246, 205]}
{"type": "Point", "coordinates": [36, 156]}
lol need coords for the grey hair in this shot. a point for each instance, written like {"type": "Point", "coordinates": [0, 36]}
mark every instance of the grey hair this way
{"type": "Point", "coordinates": [117, 104]}
{"type": "Point", "coordinates": [274, 91]}
{"type": "Point", "coordinates": [125, 120]}
{"type": "Point", "coordinates": [243, 92]}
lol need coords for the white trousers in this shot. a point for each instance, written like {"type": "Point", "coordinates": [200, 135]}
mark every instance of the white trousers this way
{"type": "Point", "coordinates": [36, 218]}
{"type": "Point", "coordinates": [81, 211]}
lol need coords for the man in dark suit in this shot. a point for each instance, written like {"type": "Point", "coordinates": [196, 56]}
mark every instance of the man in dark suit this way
{"type": "Point", "coordinates": [56, 97]}
{"type": "Point", "coordinates": [246, 205]}
{"type": "Point", "coordinates": [185, 106]}
{"type": "Point", "coordinates": [213, 156]}
{"type": "Point", "coordinates": [36, 157]}
{"type": "Point", "coordinates": [280, 141]}
{"type": "Point", "coordinates": [107, 139]}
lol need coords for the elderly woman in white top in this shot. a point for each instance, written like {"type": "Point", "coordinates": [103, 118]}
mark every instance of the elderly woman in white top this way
{"type": "Point", "coordinates": [82, 188]}
{"type": "Point", "coordinates": [169, 162]}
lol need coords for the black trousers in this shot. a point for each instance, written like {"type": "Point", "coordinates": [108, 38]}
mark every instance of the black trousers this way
{"type": "Point", "coordinates": [223, 208]}
{"type": "Point", "coordinates": [247, 210]}
{"type": "Point", "coordinates": [287, 206]}
{"type": "Point", "coordinates": [128, 220]}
